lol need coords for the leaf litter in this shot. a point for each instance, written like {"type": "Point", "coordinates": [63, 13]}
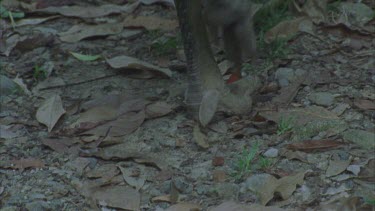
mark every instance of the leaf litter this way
{"type": "Point", "coordinates": [126, 141]}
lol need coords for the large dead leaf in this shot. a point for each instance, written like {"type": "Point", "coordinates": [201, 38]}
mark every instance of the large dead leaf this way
{"type": "Point", "coordinates": [130, 63]}
{"type": "Point", "coordinates": [151, 23]}
{"type": "Point", "coordinates": [82, 31]}
{"type": "Point", "coordinates": [50, 111]}
{"type": "Point", "coordinates": [89, 11]}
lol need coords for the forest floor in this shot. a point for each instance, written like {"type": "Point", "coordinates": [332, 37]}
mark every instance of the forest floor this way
{"type": "Point", "coordinates": [92, 114]}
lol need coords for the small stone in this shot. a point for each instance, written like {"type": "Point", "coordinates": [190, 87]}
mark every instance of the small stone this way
{"type": "Point", "coordinates": [322, 98]}
{"type": "Point", "coordinates": [271, 153]}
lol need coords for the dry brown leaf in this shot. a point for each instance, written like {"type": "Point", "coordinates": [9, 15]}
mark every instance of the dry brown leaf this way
{"type": "Point", "coordinates": [34, 21]}
{"type": "Point", "coordinates": [135, 182]}
{"type": "Point", "coordinates": [337, 166]}
{"type": "Point", "coordinates": [50, 111]}
{"type": "Point", "coordinates": [184, 206]}
{"type": "Point", "coordinates": [151, 23]}
{"type": "Point", "coordinates": [27, 163]}
{"type": "Point", "coordinates": [122, 197]}
{"type": "Point", "coordinates": [125, 124]}
{"type": "Point", "coordinates": [315, 145]}
{"type": "Point", "coordinates": [365, 104]}
{"type": "Point", "coordinates": [157, 109]}
{"type": "Point", "coordinates": [289, 28]}
{"type": "Point", "coordinates": [130, 63]}
{"type": "Point", "coordinates": [316, 10]}
{"type": "Point", "coordinates": [234, 206]}
{"type": "Point", "coordinates": [367, 173]}
{"type": "Point", "coordinates": [89, 11]}
{"type": "Point", "coordinates": [164, 198]}
{"type": "Point", "coordinates": [103, 171]}
{"type": "Point", "coordinates": [288, 184]}
{"type": "Point", "coordinates": [82, 31]}
{"type": "Point", "coordinates": [96, 115]}
{"type": "Point", "coordinates": [58, 145]}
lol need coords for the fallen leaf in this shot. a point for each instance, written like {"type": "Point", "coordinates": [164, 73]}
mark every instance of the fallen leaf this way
{"type": "Point", "coordinates": [151, 23]}
{"type": "Point", "coordinates": [7, 132]}
{"type": "Point", "coordinates": [24, 163]}
{"type": "Point", "coordinates": [184, 206]}
{"type": "Point", "coordinates": [123, 125]}
{"type": "Point", "coordinates": [82, 31]}
{"type": "Point", "coordinates": [121, 197]}
{"type": "Point", "coordinates": [315, 145]}
{"type": "Point", "coordinates": [169, 3]}
{"type": "Point", "coordinates": [89, 11]}
{"type": "Point", "coordinates": [85, 58]}
{"type": "Point", "coordinates": [34, 21]}
{"type": "Point", "coordinates": [367, 173]}
{"type": "Point", "coordinates": [135, 182]}
{"type": "Point", "coordinates": [103, 171]}
{"type": "Point", "coordinates": [164, 198]}
{"type": "Point", "coordinates": [50, 111]}
{"type": "Point", "coordinates": [130, 63]}
{"type": "Point", "coordinates": [58, 145]}
{"type": "Point", "coordinates": [365, 104]}
{"type": "Point", "coordinates": [288, 28]}
{"type": "Point", "coordinates": [337, 166]}
{"type": "Point", "coordinates": [234, 206]}
{"type": "Point", "coordinates": [157, 109]}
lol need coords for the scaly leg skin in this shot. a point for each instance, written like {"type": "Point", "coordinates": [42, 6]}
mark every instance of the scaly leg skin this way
{"type": "Point", "coordinates": [206, 87]}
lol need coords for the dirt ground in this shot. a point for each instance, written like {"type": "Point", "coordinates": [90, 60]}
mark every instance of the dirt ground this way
{"type": "Point", "coordinates": [92, 114]}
